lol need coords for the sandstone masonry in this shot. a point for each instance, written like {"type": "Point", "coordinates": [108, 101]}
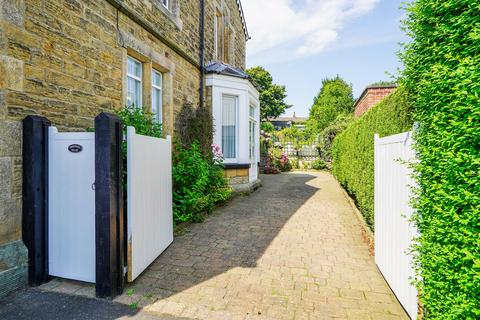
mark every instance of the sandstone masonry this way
{"type": "Point", "coordinates": [66, 60]}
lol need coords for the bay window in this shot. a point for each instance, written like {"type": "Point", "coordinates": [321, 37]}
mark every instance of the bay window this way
{"type": "Point", "coordinates": [229, 126]}
{"type": "Point", "coordinates": [252, 130]}
{"type": "Point", "coordinates": [134, 83]}
{"type": "Point", "coordinates": [157, 95]}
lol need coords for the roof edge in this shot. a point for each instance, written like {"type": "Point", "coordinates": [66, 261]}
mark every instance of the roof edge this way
{"type": "Point", "coordinates": [242, 17]}
{"type": "Point", "coordinates": [364, 92]}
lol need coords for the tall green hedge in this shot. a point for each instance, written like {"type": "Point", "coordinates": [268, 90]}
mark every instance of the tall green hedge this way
{"type": "Point", "coordinates": [442, 70]}
{"type": "Point", "coordinates": [353, 148]}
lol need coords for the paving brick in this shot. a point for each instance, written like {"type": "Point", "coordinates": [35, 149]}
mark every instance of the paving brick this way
{"type": "Point", "coordinates": [281, 253]}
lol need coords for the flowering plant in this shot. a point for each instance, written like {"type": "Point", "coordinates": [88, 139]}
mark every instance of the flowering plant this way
{"type": "Point", "coordinates": [217, 154]}
{"type": "Point", "coordinates": [284, 163]}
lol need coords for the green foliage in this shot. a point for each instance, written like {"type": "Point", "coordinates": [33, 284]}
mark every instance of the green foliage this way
{"type": "Point", "coordinates": [199, 184]}
{"type": "Point", "coordinates": [382, 83]}
{"type": "Point", "coordinates": [298, 137]}
{"type": "Point", "coordinates": [319, 164]}
{"type": "Point", "coordinates": [442, 70]}
{"type": "Point", "coordinates": [195, 125]}
{"type": "Point", "coordinates": [327, 136]}
{"type": "Point", "coordinates": [267, 127]}
{"type": "Point", "coordinates": [334, 99]}
{"type": "Point", "coordinates": [353, 148]}
{"type": "Point", "coordinates": [272, 96]}
{"type": "Point", "coordinates": [142, 121]}
{"type": "Point", "coordinates": [281, 160]}
{"type": "Point", "coordinates": [144, 124]}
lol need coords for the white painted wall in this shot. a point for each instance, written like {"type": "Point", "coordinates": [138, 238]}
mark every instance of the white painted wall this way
{"type": "Point", "coordinates": [71, 206]}
{"type": "Point", "coordinates": [149, 206]}
{"type": "Point", "coordinates": [247, 95]}
{"type": "Point", "coordinates": [393, 231]}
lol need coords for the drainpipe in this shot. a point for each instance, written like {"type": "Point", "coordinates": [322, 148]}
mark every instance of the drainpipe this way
{"type": "Point", "coordinates": [202, 50]}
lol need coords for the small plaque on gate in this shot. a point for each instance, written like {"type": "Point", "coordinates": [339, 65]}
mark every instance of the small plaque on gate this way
{"type": "Point", "coordinates": [75, 148]}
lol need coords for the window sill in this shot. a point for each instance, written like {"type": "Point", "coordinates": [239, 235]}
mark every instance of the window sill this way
{"type": "Point", "coordinates": [173, 16]}
{"type": "Point", "coordinates": [237, 165]}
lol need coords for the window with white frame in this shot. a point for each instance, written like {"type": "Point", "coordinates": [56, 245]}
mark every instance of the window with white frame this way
{"type": "Point", "coordinates": [229, 126]}
{"type": "Point", "coordinates": [157, 79]}
{"type": "Point", "coordinates": [166, 3]}
{"type": "Point", "coordinates": [252, 131]}
{"type": "Point", "coordinates": [134, 82]}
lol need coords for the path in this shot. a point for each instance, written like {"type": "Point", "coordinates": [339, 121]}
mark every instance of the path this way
{"type": "Point", "coordinates": [291, 250]}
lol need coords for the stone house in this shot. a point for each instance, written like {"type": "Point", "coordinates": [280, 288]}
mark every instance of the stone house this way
{"type": "Point", "coordinates": [371, 96]}
{"type": "Point", "coordinates": [69, 60]}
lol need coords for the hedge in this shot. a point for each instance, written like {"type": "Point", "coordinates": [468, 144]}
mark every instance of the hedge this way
{"type": "Point", "coordinates": [442, 70]}
{"type": "Point", "coordinates": [353, 148]}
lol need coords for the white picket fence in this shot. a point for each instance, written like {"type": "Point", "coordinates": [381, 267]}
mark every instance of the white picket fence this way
{"type": "Point", "coordinates": [149, 201]}
{"type": "Point", "coordinates": [393, 231]}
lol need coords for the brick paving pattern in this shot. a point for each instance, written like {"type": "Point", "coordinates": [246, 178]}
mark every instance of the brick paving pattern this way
{"type": "Point", "coordinates": [291, 250]}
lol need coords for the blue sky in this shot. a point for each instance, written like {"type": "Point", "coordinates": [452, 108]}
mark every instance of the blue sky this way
{"type": "Point", "coordinates": [303, 41]}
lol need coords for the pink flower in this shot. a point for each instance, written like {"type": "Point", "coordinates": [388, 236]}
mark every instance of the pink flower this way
{"type": "Point", "coordinates": [217, 154]}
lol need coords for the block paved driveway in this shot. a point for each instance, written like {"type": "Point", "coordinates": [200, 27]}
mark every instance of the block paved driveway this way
{"type": "Point", "coordinates": [291, 250]}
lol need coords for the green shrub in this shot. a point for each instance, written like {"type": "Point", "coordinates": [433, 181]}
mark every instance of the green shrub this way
{"type": "Point", "coordinates": [195, 125]}
{"type": "Point", "coordinates": [442, 70]}
{"type": "Point", "coordinates": [267, 127]}
{"type": "Point", "coordinates": [328, 135]}
{"type": "Point", "coordinates": [353, 148]}
{"type": "Point", "coordinates": [199, 184]}
{"type": "Point", "coordinates": [143, 122]}
{"type": "Point", "coordinates": [294, 163]}
{"type": "Point", "coordinates": [319, 164]}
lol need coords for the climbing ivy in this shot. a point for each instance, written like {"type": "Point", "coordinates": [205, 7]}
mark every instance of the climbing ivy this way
{"type": "Point", "coordinates": [442, 70]}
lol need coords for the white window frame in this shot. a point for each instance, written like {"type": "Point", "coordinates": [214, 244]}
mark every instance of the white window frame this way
{"type": "Point", "coordinates": [137, 79]}
{"type": "Point", "coordinates": [237, 137]}
{"type": "Point", "coordinates": [166, 4]}
{"type": "Point", "coordinates": [158, 115]}
{"type": "Point", "coordinates": [251, 138]}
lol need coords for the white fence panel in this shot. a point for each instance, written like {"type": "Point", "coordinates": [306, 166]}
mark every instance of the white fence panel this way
{"type": "Point", "coordinates": [71, 205]}
{"type": "Point", "coordinates": [149, 202]}
{"type": "Point", "coordinates": [393, 231]}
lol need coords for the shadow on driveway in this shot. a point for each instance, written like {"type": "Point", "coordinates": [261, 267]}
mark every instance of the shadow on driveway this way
{"type": "Point", "coordinates": [42, 305]}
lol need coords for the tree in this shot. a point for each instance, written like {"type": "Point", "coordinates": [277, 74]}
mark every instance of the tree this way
{"type": "Point", "coordinates": [334, 99]}
{"type": "Point", "coordinates": [272, 96]}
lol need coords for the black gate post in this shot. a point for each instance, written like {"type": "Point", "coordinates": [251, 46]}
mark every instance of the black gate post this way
{"type": "Point", "coordinates": [109, 236]}
{"type": "Point", "coordinates": [35, 197]}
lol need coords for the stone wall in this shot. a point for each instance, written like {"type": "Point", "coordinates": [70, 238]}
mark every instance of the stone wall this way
{"type": "Point", "coordinates": [237, 43]}
{"type": "Point", "coordinates": [237, 176]}
{"type": "Point", "coordinates": [65, 60]}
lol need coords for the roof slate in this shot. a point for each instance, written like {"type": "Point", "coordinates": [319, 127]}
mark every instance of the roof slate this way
{"type": "Point", "coordinates": [219, 67]}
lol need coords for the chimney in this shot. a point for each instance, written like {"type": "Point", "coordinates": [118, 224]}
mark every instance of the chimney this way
{"type": "Point", "coordinates": [294, 115]}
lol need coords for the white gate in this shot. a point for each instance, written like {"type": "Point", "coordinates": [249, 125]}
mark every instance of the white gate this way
{"type": "Point", "coordinates": [149, 204]}
{"type": "Point", "coordinates": [71, 205]}
{"type": "Point", "coordinates": [393, 231]}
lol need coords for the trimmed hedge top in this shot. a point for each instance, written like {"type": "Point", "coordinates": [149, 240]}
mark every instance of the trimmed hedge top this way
{"type": "Point", "coordinates": [353, 157]}
{"type": "Point", "coordinates": [442, 70]}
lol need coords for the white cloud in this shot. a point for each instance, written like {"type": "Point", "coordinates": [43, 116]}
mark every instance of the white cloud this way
{"type": "Point", "coordinates": [299, 27]}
